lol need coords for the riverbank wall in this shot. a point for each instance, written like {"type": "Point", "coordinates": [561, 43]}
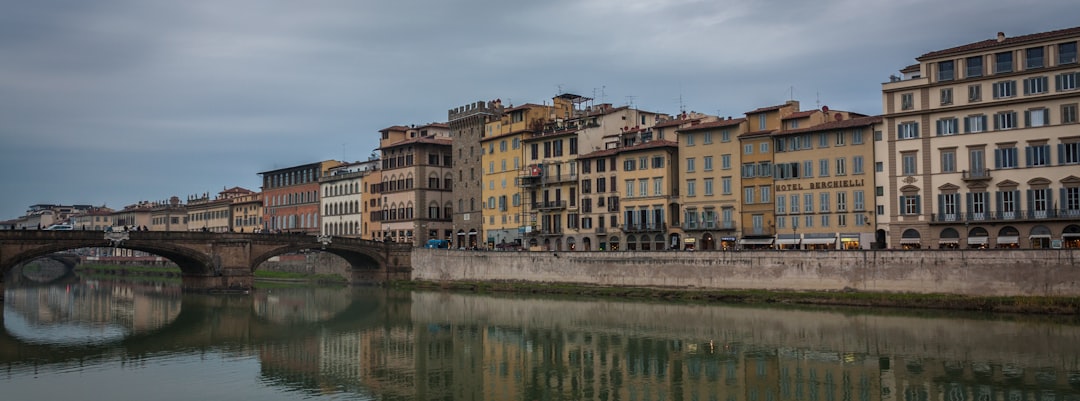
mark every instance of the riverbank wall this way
{"type": "Point", "coordinates": [988, 272]}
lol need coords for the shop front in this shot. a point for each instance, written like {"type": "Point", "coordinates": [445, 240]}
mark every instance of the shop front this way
{"type": "Point", "coordinates": [850, 241]}
{"type": "Point", "coordinates": [756, 242]}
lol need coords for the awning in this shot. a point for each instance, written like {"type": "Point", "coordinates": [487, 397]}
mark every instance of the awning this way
{"type": "Point", "coordinates": [818, 241]}
{"type": "Point", "coordinates": [756, 241]}
{"type": "Point", "coordinates": [787, 241]}
{"type": "Point", "coordinates": [910, 240]}
{"type": "Point", "coordinates": [849, 239]}
{"type": "Point", "coordinates": [1070, 235]}
{"type": "Point", "coordinates": [1009, 239]}
{"type": "Point", "coordinates": [949, 240]}
{"type": "Point", "coordinates": [977, 240]}
{"type": "Point", "coordinates": [1033, 236]}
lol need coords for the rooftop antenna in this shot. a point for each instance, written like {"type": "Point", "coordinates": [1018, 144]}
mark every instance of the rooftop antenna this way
{"type": "Point", "coordinates": [817, 100]}
{"type": "Point", "coordinates": [630, 100]}
{"type": "Point", "coordinates": [791, 92]}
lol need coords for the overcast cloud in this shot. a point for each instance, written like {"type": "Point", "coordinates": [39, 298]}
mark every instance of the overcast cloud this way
{"type": "Point", "coordinates": [116, 101]}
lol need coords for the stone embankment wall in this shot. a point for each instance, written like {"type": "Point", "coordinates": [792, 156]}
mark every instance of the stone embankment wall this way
{"type": "Point", "coordinates": [972, 272]}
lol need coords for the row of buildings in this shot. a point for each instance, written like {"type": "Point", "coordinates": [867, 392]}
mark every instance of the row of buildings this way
{"type": "Point", "coordinates": [977, 146]}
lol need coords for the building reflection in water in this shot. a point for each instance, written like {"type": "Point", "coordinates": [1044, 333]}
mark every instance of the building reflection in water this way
{"type": "Point", "coordinates": [375, 343]}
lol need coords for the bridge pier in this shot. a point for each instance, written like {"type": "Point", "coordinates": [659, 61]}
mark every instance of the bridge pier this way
{"type": "Point", "coordinates": [230, 280]}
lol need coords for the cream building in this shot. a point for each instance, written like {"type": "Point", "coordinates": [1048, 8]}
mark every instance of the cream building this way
{"type": "Point", "coordinates": [247, 213]}
{"type": "Point", "coordinates": [981, 147]}
{"type": "Point", "coordinates": [168, 215]}
{"type": "Point", "coordinates": [213, 214]}
{"type": "Point", "coordinates": [416, 185]}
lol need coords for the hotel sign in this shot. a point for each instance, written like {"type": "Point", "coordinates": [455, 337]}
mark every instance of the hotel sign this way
{"type": "Point", "coordinates": [820, 185]}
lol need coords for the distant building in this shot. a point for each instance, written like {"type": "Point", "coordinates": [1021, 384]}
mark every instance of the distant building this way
{"type": "Point", "coordinates": [415, 196]}
{"type": "Point", "coordinates": [169, 215]}
{"type": "Point", "coordinates": [93, 219]}
{"type": "Point", "coordinates": [247, 212]}
{"type": "Point", "coordinates": [467, 128]}
{"type": "Point", "coordinates": [343, 198]}
{"type": "Point", "coordinates": [214, 214]}
{"type": "Point", "coordinates": [291, 197]}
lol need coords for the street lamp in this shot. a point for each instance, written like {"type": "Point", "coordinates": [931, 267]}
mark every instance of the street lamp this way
{"type": "Point", "coordinates": [794, 231]}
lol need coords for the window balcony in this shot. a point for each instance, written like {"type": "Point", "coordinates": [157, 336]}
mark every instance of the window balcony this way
{"type": "Point", "coordinates": [975, 175]}
{"type": "Point", "coordinates": [997, 217]}
{"type": "Point", "coordinates": [644, 228]}
{"type": "Point", "coordinates": [550, 205]}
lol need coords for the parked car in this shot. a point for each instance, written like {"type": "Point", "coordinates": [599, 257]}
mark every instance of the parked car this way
{"type": "Point", "coordinates": [59, 227]}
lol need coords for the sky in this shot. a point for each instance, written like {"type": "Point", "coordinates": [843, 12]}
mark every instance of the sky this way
{"type": "Point", "coordinates": [111, 102]}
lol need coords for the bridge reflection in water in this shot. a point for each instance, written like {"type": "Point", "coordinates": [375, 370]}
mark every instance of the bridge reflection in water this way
{"type": "Point", "coordinates": [342, 343]}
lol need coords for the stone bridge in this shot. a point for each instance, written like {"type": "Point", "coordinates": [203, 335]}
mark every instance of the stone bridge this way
{"type": "Point", "coordinates": [214, 261]}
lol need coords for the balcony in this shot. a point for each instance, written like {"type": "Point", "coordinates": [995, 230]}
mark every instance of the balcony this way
{"type": "Point", "coordinates": [556, 179]}
{"type": "Point", "coordinates": [548, 232]}
{"type": "Point", "coordinates": [644, 228]}
{"type": "Point", "coordinates": [997, 217]}
{"type": "Point", "coordinates": [600, 230]}
{"type": "Point", "coordinates": [553, 205]}
{"type": "Point", "coordinates": [975, 175]}
{"type": "Point", "coordinates": [708, 225]}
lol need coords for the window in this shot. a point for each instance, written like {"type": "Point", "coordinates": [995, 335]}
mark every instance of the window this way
{"type": "Point", "coordinates": [824, 203]}
{"type": "Point", "coordinates": [1004, 89]}
{"type": "Point", "coordinates": [725, 162]}
{"type": "Point", "coordinates": [708, 163]}
{"type": "Point", "coordinates": [515, 143]}
{"type": "Point", "coordinates": [691, 187]}
{"type": "Point", "coordinates": [808, 203]}
{"type": "Point", "coordinates": [628, 165]}
{"type": "Point", "coordinates": [908, 130]}
{"type": "Point", "coordinates": [748, 149]}
{"type": "Point", "coordinates": [748, 195]}
{"type": "Point", "coordinates": [766, 194]}
{"type": "Point", "coordinates": [823, 140]}
{"type": "Point", "coordinates": [1005, 120]}
{"type": "Point", "coordinates": [857, 165]}
{"type": "Point", "coordinates": [630, 188]}
{"type": "Point", "coordinates": [946, 71]}
{"type": "Point", "coordinates": [690, 165]}
{"type": "Point", "coordinates": [808, 168]}
{"type": "Point", "coordinates": [658, 162]}
{"type": "Point", "coordinates": [973, 124]}
{"type": "Point", "coordinates": [643, 187]}
{"type": "Point", "coordinates": [976, 204]}
{"type": "Point", "coordinates": [947, 207]}
{"type": "Point", "coordinates": [1066, 81]}
{"type": "Point", "coordinates": [1036, 117]}
{"type": "Point", "coordinates": [841, 201]}
{"type": "Point", "coordinates": [946, 96]}
{"type": "Point", "coordinates": [879, 166]}
{"type": "Point", "coordinates": [689, 139]}
{"type": "Point", "coordinates": [823, 166]}
{"type": "Point", "coordinates": [1068, 113]}
{"type": "Point", "coordinates": [725, 136]}
{"type": "Point", "coordinates": [1005, 158]}
{"type": "Point", "coordinates": [761, 121]}
{"type": "Point", "coordinates": [840, 138]}
{"type": "Point", "coordinates": [1006, 204]}
{"type": "Point", "coordinates": [1003, 62]}
{"type": "Point", "coordinates": [976, 160]}
{"type": "Point", "coordinates": [1069, 153]}
{"type": "Point", "coordinates": [907, 101]}
{"type": "Point", "coordinates": [708, 187]}
{"type": "Point", "coordinates": [1067, 53]}
{"type": "Point", "coordinates": [1070, 198]}
{"type": "Point", "coordinates": [860, 200]}
{"type": "Point", "coordinates": [748, 170]}
{"type": "Point", "coordinates": [658, 186]}
{"type": "Point", "coordinates": [707, 137]}
{"type": "Point", "coordinates": [1039, 202]}
{"type": "Point", "coordinates": [1035, 85]}
{"type": "Point", "coordinates": [841, 166]}
{"type": "Point", "coordinates": [781, 204]}
{"type": "Point", "coordinates": [764, 147]}
{"type": "Point", "coordinates": [974, 93]}
{"type": "Point", "coordinates": [947, 126]}
{"type": "Point", "coordinates": [974, 66]}
{"type": "Point", "coordinates": [909, 165]}
{"type": "Point", "coordinates": [725, 185]}
{"type": "Point", "coordinates": [1037, 155]}
{"type": "Point", "coordinates": [1033, 58]}
{"type": "Point", "coordinates": [910, 205]}
{"type": "Point", "coordinates": [857, 136]}
{"type": "Point", "coordinates": [795, 203]}
{"type": "Point", "coordinates": [643, 163]}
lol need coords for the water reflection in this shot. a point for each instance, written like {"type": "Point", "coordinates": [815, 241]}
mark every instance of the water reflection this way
{"type": "Point", "coordinates": [368, 343]}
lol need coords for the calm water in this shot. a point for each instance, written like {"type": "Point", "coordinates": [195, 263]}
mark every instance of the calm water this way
{"type": "Point", "coordinates": [92, 340]}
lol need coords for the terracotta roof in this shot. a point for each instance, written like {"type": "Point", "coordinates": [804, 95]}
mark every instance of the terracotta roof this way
{"type": "Point", "coordinates": [600, 153]}
{"type": "Point", "coordinates": [648, 145]}
{"type": "Point", "coordinates": [713, 124]}
{"type": "Point", "coordinates": [800, 114]}
{"type": "Point", "coordinates": [992, 43]}
{"type": "Point", "coordinates": [831, 125]}
{"type": "Point", "coordinates": [395, 128]}
{"type": "Point", "coordinates": [764, 109]}
{"type": "Point", "coordinates": [911, 68]}
{"type": "Point", "coordinates": [522, 107]}
{"type": "Point", "coordinates": [422, 139]}
{"type": "Point", "coordinates": [674, 122]}
{"type": "Point", "coordinates": [756, 133]}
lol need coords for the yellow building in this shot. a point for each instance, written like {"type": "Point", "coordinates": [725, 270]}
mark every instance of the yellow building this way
{"type": "Point", "coordinates": [247, 212]}
{"type": "Point", "coordinates": [169, 216]}
{"type": "Point", "coordinates": [213, 215]}
{"type": "Point", "coordinates": [711, 154]}
{"type": "Point", "coordinates": [824, 183]}
{"type": "Point", "coordinates": [650, 199]}
{"type": "Point", "coordinates": [756, 157]}
{"type": "Point", "coordinates": [981, 148]}
{"type": "Point", "coordinates": [505, 221]}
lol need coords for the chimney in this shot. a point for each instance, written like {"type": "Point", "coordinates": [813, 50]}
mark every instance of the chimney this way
{"type": "Point", "coordinates": [1001, 37]}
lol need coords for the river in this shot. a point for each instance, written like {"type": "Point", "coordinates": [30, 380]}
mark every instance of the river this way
{"type": "Point", "coordinates": [98, 340]}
